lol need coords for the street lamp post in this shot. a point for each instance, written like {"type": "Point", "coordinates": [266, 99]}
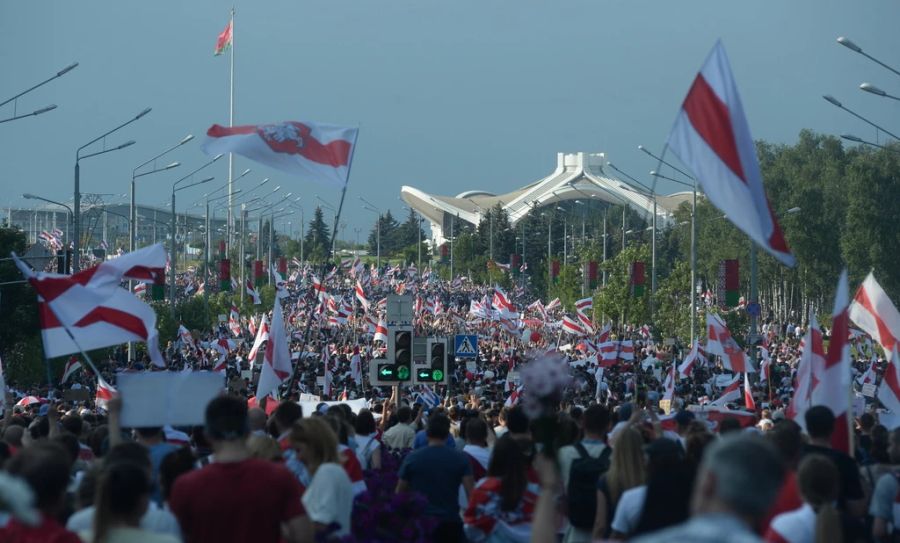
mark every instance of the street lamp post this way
{"type": "Point", "coordinates": [51, 107]}
{"type": "Point", "coordinates": [835, 102]}
{"type": "Point", "coordinates": [134, 175]}
{"type": "Point", "coordinates": [77, 204]}
{"type": "Point", "coordinates": [369, 206]}
{"type": "Point", "coordinates": [851, 137]}
{"type": "Point", "coordinates": [857, 49]}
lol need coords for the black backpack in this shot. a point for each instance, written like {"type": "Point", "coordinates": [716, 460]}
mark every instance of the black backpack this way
{"type": "Point", "coordinates": [582, 491]}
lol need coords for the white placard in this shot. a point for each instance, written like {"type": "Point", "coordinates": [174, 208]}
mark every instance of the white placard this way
{"type": "Point", "coordinates": [161, 398]}
{"type": "Point", "coordinates": [869, 390]}
{"type": "Point", "coordinates": [355, 405]}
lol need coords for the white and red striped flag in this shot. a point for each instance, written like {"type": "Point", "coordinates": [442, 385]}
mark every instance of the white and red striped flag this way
{"type": "Point", "coordinates": [809, 370]}
{"type": "Point", "coordinates": [381, 331]}
{"type": "Point", "coordinates": [572, 326]}
{"type": "Point", "coordinates": [234, 321]}
{"type": "Point", "coordinates": [832, 384]}
{"type": "Point", "coordinates": [356, 367]}
{"type": "Point", "coordinates": [719, 342]}
{"type": "Point", "coordinates": [223, 347]}
{"type": "Point", "coordinates": [712, 137]}
{"type": "Point", "coordinates": [626, 350]}
{"type": "Point", "coordinates": [748, 394]}
{"type": "Point", "coordinates": [732, 392]}
{"type": "Point", "coordinates": [276, 367]}
{"type": "Point", "coordinates": [874, 312]}
{"type": "Point", "coordinates": [73, 365]}
{"type": "Point", "coordinates": [669, 384]}
{"type": "Point", "coordinates": [94, 307]}
{"type": "Point", "coordinates": [253, 293]}
{"type": "Point", "coordinates": [691, 360]}
{"type": "Point", "coordinates": [361, 296]}
{"type": "Point", "coordinates": [315, 151]}
{"type": "Point", "coordinates": [262, 334]}
{"type": "Point", "coordinates": [105, 393]}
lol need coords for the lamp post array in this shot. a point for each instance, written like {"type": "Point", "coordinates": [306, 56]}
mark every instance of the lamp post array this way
{"type": "Point", "coordinates": [15, 99]}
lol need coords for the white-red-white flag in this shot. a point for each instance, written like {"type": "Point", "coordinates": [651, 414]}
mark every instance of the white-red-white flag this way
{"type": "Point", "coordinates": [222, 346]}
{"type": "Point", "coordinates": [361, 296]}
{"type": "Point", "coordinates": [356, 367]}
{"type": "Point", "coordinates": [105, 393]}
{"type": "Point", "coordinates": [732, 392]}
{"type": "Point", "coordinates": [253, 293]}
{"type": "Point", "coordinates": [809, 370]}
{"type": "Point", "coordinates": [94, 307]}
{"type": "Point", "coordinates": [711, 136]}
{"type": "Point", "coordinates": [765, 363]}
{"type": "Point", "coordinates": [832, 386]}
{"type": "Point", "coordinates": [691, 360]}
{"type": "Point", "coordinates": [874, 312]}
{"type": "Point", "coordinates": [719, 342]}
{"type": "Point", "coordinates": [315, 151]}
{"type": "Point", "coordinates": [73, 365]}
{"type": "Point", "coordinates": [572, 326]}
{"type": "Point", "coordinates": [626, 350]}
{"type": "Point", "coordinates": [280, 284]}
{"type": "Point", "coordinates": [276, 367]}
{"type": "Point", "coordinates": [748, 394]}
{"type": "Point", "coordinates": [381, 331]}
{"type": "Point", "coordinates": [234, 321]}
{"type": "Point", "coordinates": [262, 334]}
{"type": "Point", "coordinates": [669, 384]}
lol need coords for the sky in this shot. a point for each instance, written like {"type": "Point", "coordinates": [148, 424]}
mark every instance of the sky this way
{"type": "Point", "coordinates": [449, 96]}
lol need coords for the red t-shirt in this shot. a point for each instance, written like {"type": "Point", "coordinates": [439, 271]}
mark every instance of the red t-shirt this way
{"type": "Point", "coordinates": [788, 499]}
{"type": "Point", "coordinates": [236, 501]}
{"type": "Point", "coordinates": [48, 531]}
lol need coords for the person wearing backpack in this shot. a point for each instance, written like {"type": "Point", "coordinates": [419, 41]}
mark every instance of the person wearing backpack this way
{"type": "Point", "coordinates": [581, 466]}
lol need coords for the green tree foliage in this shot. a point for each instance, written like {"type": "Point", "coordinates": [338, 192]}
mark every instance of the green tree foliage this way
{"type": "Point", "coordinates": [317, 243]}
{"type": "Point", "coordinates": [615, 301]}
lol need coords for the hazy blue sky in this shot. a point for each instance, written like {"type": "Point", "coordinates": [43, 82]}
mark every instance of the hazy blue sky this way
{"type": "Point", "coordinates": [450, 95]}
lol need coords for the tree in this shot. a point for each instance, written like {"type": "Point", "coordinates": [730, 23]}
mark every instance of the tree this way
{"type": "Point", "coordinates": [318, 240]}
{"type": "Point", "coordinates": [391, 237]}
{"type": "Point", "coordinates": [616, 301]}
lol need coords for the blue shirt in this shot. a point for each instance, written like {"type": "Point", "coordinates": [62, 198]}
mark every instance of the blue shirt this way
{"type": "Point", "coordinates": [421, 440]}
{"type": "Point", "coordinates": [157, 453]}
{"type": "Point", "coordinates": [437, 472]}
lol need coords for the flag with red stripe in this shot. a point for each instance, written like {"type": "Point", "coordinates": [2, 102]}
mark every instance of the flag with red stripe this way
{"type": "Point", "coordinates": [712, 137]}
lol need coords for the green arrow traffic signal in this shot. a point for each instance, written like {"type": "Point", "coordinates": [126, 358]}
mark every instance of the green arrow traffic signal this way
{"type": "Point", "coordinates": [385, 371]}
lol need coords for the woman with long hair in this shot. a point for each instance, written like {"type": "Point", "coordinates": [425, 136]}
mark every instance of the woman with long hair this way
{"type": "Point", "coordinates": [329, 497]}
{"type": "Point", "coordinates": [502, 504]}
{"type": "Point", "coordinates": [817, 521]}
{"type": "Point", "coordinates": [121, 499]}
{"type": "Point", "coordinates": [626, 471]}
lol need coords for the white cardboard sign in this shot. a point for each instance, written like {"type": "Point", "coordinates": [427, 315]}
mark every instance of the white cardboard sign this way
{"type": "Point", "coordinates": [161, 398]}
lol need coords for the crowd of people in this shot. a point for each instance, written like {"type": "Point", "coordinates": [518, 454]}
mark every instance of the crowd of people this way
{"type": "Point", "coordinates": [457, 462]}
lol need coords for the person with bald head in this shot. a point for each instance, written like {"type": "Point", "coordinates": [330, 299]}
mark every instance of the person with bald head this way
{"type": "Point", "coordinates": [256, 420]}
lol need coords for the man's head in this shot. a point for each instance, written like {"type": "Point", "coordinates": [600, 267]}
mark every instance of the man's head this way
{"type": "Point", "coordinates": [819, 422]}
{"type": "Point", "coordinates": [596, 421]}
{"type": "Point", "coordinates": [256, 419]}
{"type": "Point", "coordinates": [45, 467]}
{"type": "Point", "coordinates": [226, 419]}
{"type": "Point", "coordinates": [438, 427]}
{"type": "Point", "coordinates": [741, 474]}
{"type": "Point", "coordinates": [517, 421]}
{"type": "Point", "coordinates": [476, 431]}
{"type": "Point", "coordinates": [285, 415]}
{"type": "Point", "coordinates": [404, 415]}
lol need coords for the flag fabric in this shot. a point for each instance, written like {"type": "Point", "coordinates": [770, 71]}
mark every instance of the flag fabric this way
{"type": "Point", "coordinates": [253, 293]}
{"type": "Point", "coordinates": [870, 374]}
{"type": "Point", "coordinates": [262, 334]}
{"type": "Point", "coordinates": [626, 350]}
{"type": "Point", "coordinates": [874, 312]}
{"type": "Point", "coordinates": [669, 384]}
{"type": "Point", "coordinates": [832, 386]}
{"type": "Point", "coordinates": [95, 309]}
{"type": "Point", "coordinates": [72, 366]}
{"type": "Point", "coordinates": [812, 359]}
{"type": "Point", "coordinates": [554, 304]}
{"type": "Point", "coordinates": [361, 296]}
{"type": "Point", "coordinates": [356, 367]}
{"type": "Point", "coordinates": [105, 393]}
{"type": "Point", "coordinates": [572, 326]}
{"type": "Point", "coordinates": [691, 360]}
{"type": "Point", "coordinates": [584, 305]}
{"type": "Point", "coordinates": [731, 393]}
{"type": "Point", "coordinates": [603, 335]}
{"type": "Point", "coordinates": [748, 394]}
{"type": "Point", "coordinates": [381, 331]}
{"type": "Point", "coordinates": [223, 42]}
{"type": "Point", "coordinates": [609, 353]}
{"type": "Point", "coordinates": [765, 363]}
{"type": "Point", "coordinates": [712, 137]}
{"type": "Point", "coordinates": [223, 347]}
{"type": "Point", "coordinates": [426, 397]}
{"type": "Point", "coordinates": [276, 367]}
{"type": "Point", "coordinates": [719, 342]}
{"type": "Point", "coordinates": [316, 151]}
{"type": "Point", "coordinates": [234, 321]}
{"type": "Point", "coordinates": [280, 285]}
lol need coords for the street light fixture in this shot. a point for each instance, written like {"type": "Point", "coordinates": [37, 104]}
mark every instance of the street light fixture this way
{"type": "Point", "coordinates": [34, 113]}
{"type": "Point", "coordinates": [835, 102]}
{"type": "Point", "coordinates": [870, 88]}
{"type": "Point", "coordinates": [857, 49]}
{"type": "Point", "coordinates": [855, 139]}
{"type": "Point", "coordinates": [77, 204]}
{"type": "Point", "coordinates": [44, 109]}
{"type": "Point", "coordinates": [368, 206]}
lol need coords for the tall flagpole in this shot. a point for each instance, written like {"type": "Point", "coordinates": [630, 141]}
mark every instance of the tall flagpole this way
{"type": "Point", "coordinates": [229, 223]}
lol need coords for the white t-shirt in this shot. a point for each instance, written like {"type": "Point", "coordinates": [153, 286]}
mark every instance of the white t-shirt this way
{"type": "Point", "coordinates": [329, 497]}
{"type": "Point", "coordinates": [797, 526]}
{"type": "Point", "coordinates": [628, 510]}
{"type": "Point", "coordinates": [155, 520]}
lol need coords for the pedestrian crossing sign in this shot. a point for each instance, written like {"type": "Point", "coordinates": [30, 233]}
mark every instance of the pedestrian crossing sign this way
{"type": "Point", "coordinates": [466, 346]}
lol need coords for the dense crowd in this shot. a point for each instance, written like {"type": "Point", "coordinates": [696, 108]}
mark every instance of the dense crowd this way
{"type": "Point", "coordinates": [598, 459]}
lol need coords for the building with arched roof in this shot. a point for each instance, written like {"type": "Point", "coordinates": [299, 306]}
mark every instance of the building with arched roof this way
{"type": "Point", "coordinates": [578, 176]}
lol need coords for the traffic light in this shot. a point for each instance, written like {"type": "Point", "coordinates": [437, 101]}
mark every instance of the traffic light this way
{"type": "Point", "coordinates": [397, 367]}
{"type": "Point", "coordinates": [435, 372]}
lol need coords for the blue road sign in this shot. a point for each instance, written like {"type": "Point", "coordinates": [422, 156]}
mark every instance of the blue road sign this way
{"type": "Point", "coordinates": [466, 346]}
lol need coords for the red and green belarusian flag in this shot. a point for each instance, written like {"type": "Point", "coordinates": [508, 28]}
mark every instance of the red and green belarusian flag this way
{"type": "Point", "coordinates": [223, 42]}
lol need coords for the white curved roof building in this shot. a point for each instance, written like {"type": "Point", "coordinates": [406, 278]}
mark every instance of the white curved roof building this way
{"type": "Point", "coordinates": [577, 176]}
